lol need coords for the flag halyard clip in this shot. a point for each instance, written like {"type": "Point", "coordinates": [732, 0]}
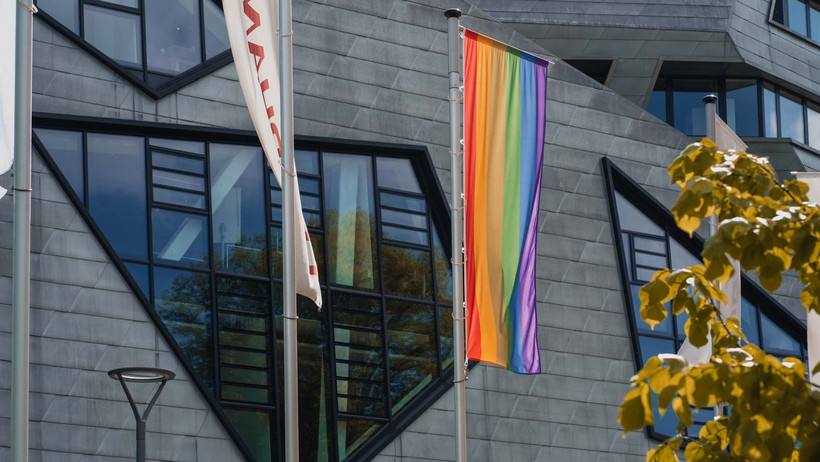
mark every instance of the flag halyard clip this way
{"type": "Point", "coordinates": [31, 8]}
{"type": "Point", "coordinates": [282, 166]}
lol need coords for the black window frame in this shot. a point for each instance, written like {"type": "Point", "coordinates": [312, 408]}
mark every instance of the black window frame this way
{"type": "Point", "coordinates": [438, 218]}
{"type": "Point", "coordinates": [183, 79]}
{"type": "Point", "coordinates": [782, 7]}
{"type": "Point", "coordinates": [616, 180]}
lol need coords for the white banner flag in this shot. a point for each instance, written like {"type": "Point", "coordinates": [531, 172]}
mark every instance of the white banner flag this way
{"type": "Point", "coordinates": [812, 318]}
{"type": "Point", "coordinates": [8, 11]}
{"type": "Point", "coordinates": [252, 26]}
{"type": "Point", "coordinates": [726, 139]}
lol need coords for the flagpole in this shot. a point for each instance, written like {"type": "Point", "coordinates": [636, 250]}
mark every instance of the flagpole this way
{"type": "Point", "coordinates": [291, 396]}
{"type": "Point", "coordinates": [21, 254]}
{"type": "Point", "coordinates": [457, 206]}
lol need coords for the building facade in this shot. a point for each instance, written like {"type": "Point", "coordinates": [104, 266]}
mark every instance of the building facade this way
{"type": "Point", "coordinates": [156, 225]}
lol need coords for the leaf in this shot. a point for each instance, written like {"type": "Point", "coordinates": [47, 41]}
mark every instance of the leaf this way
{"type": "Point", "coordinates": [715, 433]}
{"type": "Point", "coordinates": [662, 454]}
{"type": "Point", "coordinates": [636, 411]}
{"type": "Point", "coordinates": [695, 452]}
{"type": "Point", "coordinates": [683, 411]}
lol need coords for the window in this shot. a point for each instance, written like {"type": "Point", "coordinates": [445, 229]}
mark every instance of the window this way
{"type": "Point", "coordinates": [800, 16]}
{"type": "Point", "coordinates": [196, 223]}
{"type": "Point", "coordinates": [648, 241]}
{"type": "Point", "coordinates": [150, 42]}
{"type": "Point", "coordinates": [689, 115]}
{"type": "Point", "coordinates": [657, 100]}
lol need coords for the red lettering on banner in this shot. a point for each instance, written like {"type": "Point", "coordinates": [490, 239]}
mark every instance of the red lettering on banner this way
{"type": "Point", "coordinates": [312, 270]}
{"type": "Point", "coordinates": [258, 53]}
{"type": "Point", "coordinates": [252, 14]}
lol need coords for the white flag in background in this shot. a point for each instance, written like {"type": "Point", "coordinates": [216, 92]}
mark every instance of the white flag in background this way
{"type": "Point", "coordinates": [726, 139]}
{"type": "Point", "coordinates": [8, 12]}
{"type": "Point", "coordinates": [812, 318]}
{"type": "Point", "coordinates": [252, 28]}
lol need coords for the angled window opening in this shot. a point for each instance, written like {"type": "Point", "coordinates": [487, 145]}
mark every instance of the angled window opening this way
{"type": "Point", "coordinates": [647, 240]}
{"type": "Point", "coordinates": [157, 45]}
{"type": "Point", "coordinates": [194, 224]}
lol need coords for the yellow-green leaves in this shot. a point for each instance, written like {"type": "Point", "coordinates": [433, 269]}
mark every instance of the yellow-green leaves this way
{"type": "Point", "coordinates": [769, 228]}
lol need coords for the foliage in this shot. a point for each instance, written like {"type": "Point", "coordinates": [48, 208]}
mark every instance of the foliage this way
{"type": "Point", "coordinates": [769, 227]}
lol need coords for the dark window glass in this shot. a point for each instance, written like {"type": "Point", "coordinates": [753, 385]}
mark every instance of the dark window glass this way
{"type": "Point", "coordinates": [400, 201]}
{"type": "Point", "coordinates": [238, 203]}
{"type": "Point", "coordinates": [411, 344]}
{"type": "Point", "coordinates": [181, 198]}
{"type": "Point", "coordinates": [66, 12]}
{"type": "Point", "coordinates": [395, 217]}
{"type": "Point", "coordinates": [172, 35]}
{"type": "Point", "coordinates": [814, 18]}
{"type": "Point", "coordinates": [445, 333]}
{"type": "Point", "coordinates": [748, 321]}
{"type": "Point", "coordinates": [175, 162]}
{"type": "Point", "coordinates": [797, 16]}
{"type": "Point", "coordinates": [116, 190]}
{"type": "Point", "coordinates": [193, 147]}
{"type": "Point", "coordinates": [775, 338]}
{"type": "Point", "coordinates": [248, 376]}
{"type": "Point", "coordinates": [245, 394]}
{"type": "Point", "coordinates": [791, 116]}
{"type": "Point", "coordinates": [255, 428]}
{"type": "Point", "coordinates": [814, 123]}
{"type": "Point", "coordinates": [352, 433]}
{"type": "Point", "coordinates": [444, 280]}
{"type": "Point", "coordinates": [115, 33]}
{"type": "Point", "coordinates": [741, 107]}
{"type": "Point", "coordinates": [182, 302]}
{"type": "Point", "coordinates": [410, 236]}
{"type": "Point", "coordinates": [407, 272]}
{"type": "Point", "coordinates": [397, 174]}
{"type": "Point", "coordinates": [769, 110]}
{"type": "Point", "coordinates": [66, 148]}
{"type": "Point", "coordinates": [351, 223]}
{"type": "Point", "coordinates": [180, 238]}
{"type": "Point", "coordinates": [306, 162]}
{"type": "Point", "coordinates": [690, 115]}
{"type": "Point", "coordinates": [179, 180]}
{"type": "Point", "coordinates": [139, 272]}
{"type": "Point", "coordinates": [216, 32]}
{"type": "Point", "coordinates": [657, 100]}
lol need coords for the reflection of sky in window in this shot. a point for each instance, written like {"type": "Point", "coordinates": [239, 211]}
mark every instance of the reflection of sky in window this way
{"type": "Point", "coordinates": [115, 33]}
{"type": "Point", "coordinates": [797, 16]}
{"type": "Point", "coordinates": [172, 35]}
{"type": "Point", "coordinates": [741, 107]}
{"type": "Point", "coordinates": [791, 116]}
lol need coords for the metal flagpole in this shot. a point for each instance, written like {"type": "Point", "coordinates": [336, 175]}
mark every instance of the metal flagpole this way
{"type": "Point", "coordinates": [21, 259]}
{"type": "Point", "coordinates": [457, 206]}
{"type": "Point", "coordinates": [291, 396]}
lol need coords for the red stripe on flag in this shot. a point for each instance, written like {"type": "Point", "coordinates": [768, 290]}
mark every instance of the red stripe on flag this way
{"type": "Point", "coordinates": [312, 270]}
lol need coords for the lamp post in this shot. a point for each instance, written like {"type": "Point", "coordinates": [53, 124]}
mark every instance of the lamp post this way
{"type": "Point", "coordinates": [141, 375]}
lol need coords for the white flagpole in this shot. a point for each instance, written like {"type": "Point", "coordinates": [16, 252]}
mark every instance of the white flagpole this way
{"type": "Point", "coordinates": [457, 206]}
{"type": "Point", "coordinates": [291, 396]}
{"type": "Point", "coordinates": [21, 254]}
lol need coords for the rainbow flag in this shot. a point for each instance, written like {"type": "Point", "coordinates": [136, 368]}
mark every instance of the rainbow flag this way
{"type": "Point", "coordinates": [504, 98]}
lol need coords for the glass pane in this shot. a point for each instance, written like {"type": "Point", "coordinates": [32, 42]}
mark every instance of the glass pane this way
{"type": "Point", "coordinates": [182, 302]}
{"type": "Point", "coordinates": [184, 199]}
{"type": "Point", "coordinates": [350, 221]}
{"type": "Point", "coordinates": [178, 180]}
{"type": "Point", "coordinates": [445, 332]}
{"type": "Point", "coordinates": [791, 116]}
{"type": "Point", "coordinates": [797, 16]}
{"type": "Point", "coordinates": [814, 122]}
{"type": "Point", "coordinates": [238, 202]}
{"type": "Point", "coordinates": [397, 174]}
{"type": "Point", "coordinates": [172, 40]}
{"type": "Point", "coordinates": [66, 12]}
{"type": "Point", "coordinates": [680, 325]}
{"type": "Point", "coordinates": [310, 203]}
{"type": "Point", "coordinates": [651, 346]}
{"type": "Point", "coordinates": [242, 340]}
{"type": "Point", "coordinates": [402, 218]}
{"type": "Point", "coordinates": [309, 185]}
{"type": "Point", "coordinates": [412, 352]}
{"type": "Point", "coordinates": [128, 3]}
{"type": "Point", "coordinates": [769, 110]}
{"type": "Point", "coordinates": [243, 358]}
{"type": "Point", "coordinates": [249, 376]}
{"type": "Point", "coordinates": [681, 257]}
{"type": "Point", "coordinates": [690, 115]}
{"type": "Point", "coordinates": [399, 201]}
{"type": "Point", "coordinates": [352, 434]}
{"type": "Point", "coordinates": [650, 245]}
{"type": "Point", "coordinates": [627, 256]}
{"type": "Point", "coordinates": [741, 107]}
{"type": "Point", "coordinates": [407, 272]}
{"type": "Point", "coordinates": [246, 394]}
{"type": "Point", "coordinates": [775, 338]}
{"type": "Point", "coordinates": [194, 147]}
{"type": "Point", "coordinates": [748, 321]}
{"type": "Point", "coordinates": [444, 279]}
{"type": "Point", "coordinates": [255, 429]}
{"type": "Point", "coordinates": [814, 17]}
{"type": "Point", "coordinates": [668, 423]}
{"type": "Point", "coordinates": [643, 274]}
{"type": "Point", "coordinates": [139, 272]}
{"type": "Point", "coordinates": [663, 328]}
{"type": "Point", "coordinates": [116, 190]}
{"type": "Point", "coordinates": [180, 238]}
{"type": "Point", "coordinates": [182, 163]}
{"type": "Point", "coordinates": [115, 33]}
{"type": "Point", "coordinates": [654, 261]}
{"type": "Point", "coordinates": [657, 100]}
{"type": "Point", "coordinates": [242, 322]}
{"type": "Point", "coordinates": [306, 161]}
{"type": "Point", "coordinates": [405, 235]}
{"type": "Point", "coordinates": [632, 219]}
{"type": "Point", "coordinates": [66, 148]}
{"type": "Point", "coordinates": [216, 33]}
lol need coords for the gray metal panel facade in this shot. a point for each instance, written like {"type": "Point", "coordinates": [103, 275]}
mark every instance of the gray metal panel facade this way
{"type": "Point", "coordinates": [364, 70]}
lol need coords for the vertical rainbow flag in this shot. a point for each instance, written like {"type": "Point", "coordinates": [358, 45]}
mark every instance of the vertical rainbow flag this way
{"type": "Point", "coordinates": [504, 98]}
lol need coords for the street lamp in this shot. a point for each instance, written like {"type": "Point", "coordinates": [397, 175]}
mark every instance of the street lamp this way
{"type": "Point", "coordinates": [141, 375]}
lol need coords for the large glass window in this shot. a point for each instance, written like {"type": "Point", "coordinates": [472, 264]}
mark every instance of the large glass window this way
{"type": "Point", "coordinates": [657, 100]}
{"type": "Point", "coordinates": [770, 110]}
{"type": "Point", "coordinates": [687, 101]}
{"type": "Point", "coordinates": [152, 41]}
{"type": "Point", "coordinates": [741, 107]}
{"type": "Point", "coordinates": [791, 116]}
{"type": "Point", "coordinates": [648, 246]}
{"type": "Point", "coordinates": [197, 226]}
